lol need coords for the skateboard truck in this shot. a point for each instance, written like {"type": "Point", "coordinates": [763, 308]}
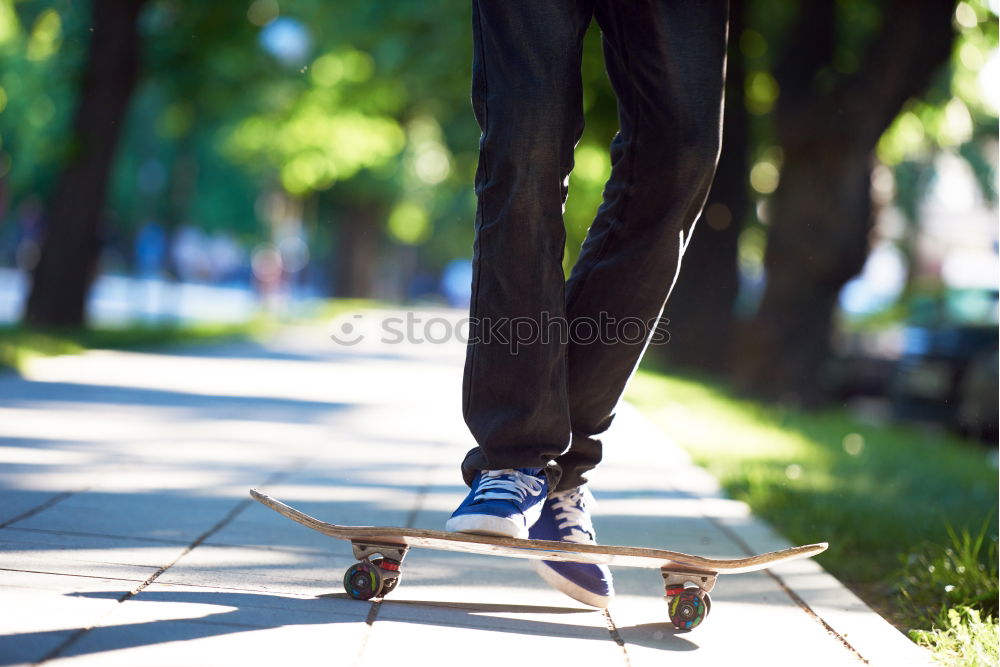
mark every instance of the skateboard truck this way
{"type": "Point", "coordinates": [369, 578]}
{"type": "Point", "coordinates": [687, 595]}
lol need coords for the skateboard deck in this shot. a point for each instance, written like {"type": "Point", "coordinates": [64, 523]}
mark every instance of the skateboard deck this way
{"type": "Point", "coordinates": [688, 578]}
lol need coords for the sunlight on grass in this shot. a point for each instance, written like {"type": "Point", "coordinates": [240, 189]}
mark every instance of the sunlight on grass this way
{"type": "Point", "coordinates": [963, 638]}
{"type": "Point", "coordinates": [19, 344]}
{"type": "Point", "coordinates": [883, 496]}
{"type": "Point", "coordinates": [936, 578]}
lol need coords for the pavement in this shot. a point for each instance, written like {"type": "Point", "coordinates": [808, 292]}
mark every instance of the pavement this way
{"type": "Point", "coordinates": [127, 536]}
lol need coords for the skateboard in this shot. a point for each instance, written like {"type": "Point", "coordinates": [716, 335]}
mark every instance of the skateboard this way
{"type": "Point", "coordinates": [688, 579]}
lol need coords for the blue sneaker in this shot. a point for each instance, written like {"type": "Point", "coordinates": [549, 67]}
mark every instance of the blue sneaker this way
{"type": "Point", "coordinates": [566, 518]}
{"type": "Point", "coordinates": [501, 502]}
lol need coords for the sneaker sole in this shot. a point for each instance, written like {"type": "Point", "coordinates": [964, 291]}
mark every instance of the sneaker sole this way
{"type": "Point", "coordinates": [484, 524]}
{"type": "Point", "coordinates": [564, 585]}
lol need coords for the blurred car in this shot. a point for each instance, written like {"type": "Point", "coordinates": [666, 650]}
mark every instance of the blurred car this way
{"type": "Point", "coordinates": [947, 371]}
{"type": "Point", "coordinates": [863, 363]}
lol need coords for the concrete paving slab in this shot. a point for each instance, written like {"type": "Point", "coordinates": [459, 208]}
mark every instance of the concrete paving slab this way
{"type": "Point", "coordinates": [16, 504]}
{"type": "Point", "coordinates": [141, 548]}
{"type": "Point", "coordinates": [240, 568]}
{"type": "Point", "coordinates": [517, 642]}
{"type": "Point", "coordinates": [46, 562]}
{"type": "Point", "coordinates": [449, 605]}
{"type": "Point", "coordinates": [41, 611]}
{"type": "Point", "coordinates": [175, 516]}
{"type": "Point", "coordinates": [173, 625]}
{"type": "Point", "coordinates": [758, 631]}
{"type": "Point", "coordinates": [240, 607]}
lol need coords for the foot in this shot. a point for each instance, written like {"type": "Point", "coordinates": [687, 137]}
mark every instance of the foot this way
{"type": "Point", "coordinates": [501, 502]}
{"type": "Point", "coordinates": [566, 518]}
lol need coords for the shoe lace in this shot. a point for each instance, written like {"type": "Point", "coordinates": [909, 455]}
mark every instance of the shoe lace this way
{"type": "Point", "coordinates": [507, 484]}
{"type": "Point", "coordinates": [572, 512]}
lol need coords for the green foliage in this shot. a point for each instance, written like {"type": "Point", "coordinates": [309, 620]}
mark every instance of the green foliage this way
{"type": "Point", "coordinates": [18, 344]}
{"type": "Point", "coordinates": [592, 157]}
{"type": "Point", "coordinates": [962, 572]}
{"type": "Point", "coordinates": [42, 45]}
{"type": "Point", "coordinates": [954, 114]}
{"type": "Point", "coordinates": [962, 637]}
{"type": "Point", "coordinates": [377, 114]}
{"type": "Point", "coordinates": [315, 146]}
{"type": "Point", "coordinates": [877, 493]}
{"type": "Point", "coordinates": [339, 125]}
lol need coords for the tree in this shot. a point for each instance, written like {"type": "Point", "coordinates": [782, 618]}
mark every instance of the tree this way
{"type": "Point", "coordinates": [700, 309]}
{"type": "Point", "coordinates": [71, 246]}
{"type": "Point", "coordinates": [369, 133]}
{"type": "Point", "coordinates": [827, 126]}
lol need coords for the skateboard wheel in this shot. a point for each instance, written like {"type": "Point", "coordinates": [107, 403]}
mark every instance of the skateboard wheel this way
{"type": "Point", "coordinates": [389, 583]}
{"type": "Point", "coordinates": [688, 608]}
{"type": "Point", "coordinates": [363, 581]}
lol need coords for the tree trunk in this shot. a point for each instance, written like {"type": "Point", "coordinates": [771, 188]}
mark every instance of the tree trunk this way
{"type": "Point", "coordinates": [181, 191]}
{"type": "Point", "coordinates": [700, 310]}
{"type": "Point", "coordinates": [356, 256]}
{"type": "Point", "coordinates": [818, 240]}
{"type": "Point", "coordinates": [70, 247]}
{"type": "Point", "coordinates": [821, 212]}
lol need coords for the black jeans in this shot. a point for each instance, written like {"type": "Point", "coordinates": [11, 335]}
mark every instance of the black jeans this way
{"type": "Point", "coordinates": [534, 396]}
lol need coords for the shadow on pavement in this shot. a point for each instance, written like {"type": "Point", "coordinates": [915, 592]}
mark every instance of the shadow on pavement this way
{"type": "Point", "coordinates": [256, 611]}
{"type": "Point", "coordinates": [210, 406]}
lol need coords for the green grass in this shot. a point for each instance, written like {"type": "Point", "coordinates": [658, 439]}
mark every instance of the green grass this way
{"type": "Point", "coordinates": [952, 589]}
{"type": "Point", "coordinates": [332, 308]}
{"type": "Point", "coordinates": [19, 344]}
{"type": "Point", "coordinates": [909, 513]}
{"type": "Point", "coordinates": [961, 572]}
{"type": "Point", "coordinates": [962, 637]}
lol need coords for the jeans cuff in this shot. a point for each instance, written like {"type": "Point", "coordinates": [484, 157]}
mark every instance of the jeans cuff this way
{"type": "Point", "coordinates": [475, 460]}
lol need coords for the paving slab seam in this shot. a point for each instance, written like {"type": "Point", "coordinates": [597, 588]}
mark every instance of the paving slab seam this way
{"type": "Point", "coordinates": [232, 514]}
{"type": "Point", "coordinates": [369, 624]}
{"type": "Point", "coordinates": [418, 503]}
{"type": "Point", "coordinates": [67, 574]}
{"type": "Point", "coordinates": [58, 498]}
{"type": "Point", "coordinates": [732, 535]}
{"type": "Point", "coordinates": [237, 589]}
{"type": "Point", "coordinates": [816, 617]}
{"type": "Point", "coordinates": [49, 531]}
{"type": "Point", "coordinates": [284, 548]}
{"type": "Point", "coordinates": [615, 636]}
{"type": "Point", "coordinates": [411, 518]}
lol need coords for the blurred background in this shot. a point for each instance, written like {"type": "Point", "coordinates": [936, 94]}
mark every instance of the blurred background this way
{"type": "Point", "coordinates": [163, 161]}
{"type": "Point", "coordinates": [833, 335]}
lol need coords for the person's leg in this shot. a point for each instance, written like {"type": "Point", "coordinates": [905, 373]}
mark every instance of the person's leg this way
{"type": "Point", "coordinates": [666, 62]}
{"type": "Point", "coordinates": [526, 95]}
